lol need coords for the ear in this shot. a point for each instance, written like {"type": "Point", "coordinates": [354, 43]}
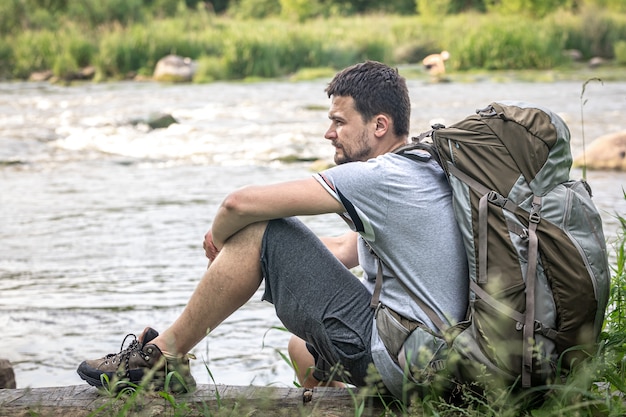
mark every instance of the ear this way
{"type": "Point", "coordinates": [383, 124]}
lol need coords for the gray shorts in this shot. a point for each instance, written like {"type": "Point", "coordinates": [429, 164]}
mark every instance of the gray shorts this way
{"type": "Point", "coordinates": [318, 299]}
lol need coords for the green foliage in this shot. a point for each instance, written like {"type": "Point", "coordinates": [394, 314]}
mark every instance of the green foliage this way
{"type": "Point", "coordinates": [618, 6]}
{"type": "Point", "coordinates": [616, 318]}
{"type": "Point", "coordinates": [401, 7]}
{"type": "Point", "coordinates": [43, 19]}
{"type": "Point", "coordinates": [506, 43]}
{"type": "Point", "coordinates": [620, 52]}
{"type": "Point", "coordinates": [81, 49]}
{"type": "Point", "coordinates": [255, 9]}
{"type": "Point", "coordinates": [91, 33]}
{"type": "Point", "coordinates": [593, 32]}
{"type": "Point", "coordinates": [276, 51]}
{"type": "Point", "coordinates": [99, 12]}
{"type": "Point", "coordinates": [122, 52]}
{"type": "Point", "coordinates": [64, 65]}
{"type": "Point", "coordinates": [16, 15]}
{"type": "Point", "coordinates": [166, 8]}
{"type": "Point", "coordinates": [52, 5]}
{"type": "Point", "coordinates": [300, 10]}
{"type": "Point", "coordinates": [535, 8]}
{"type": "Point", "coordinates": [602, 30]}
{"type": "Point", "coordinates": [434, 8]}
{"type": "Point", "coordinates": [126, 51]}
{"type": "Point", "coordinates": [209, 69]}
{"type": "Point", "coordinates": [13, 14]}
{"type": "Point", "coordinates": [34, 51]}
{"type": "Point", "coordinates": [6, 57]}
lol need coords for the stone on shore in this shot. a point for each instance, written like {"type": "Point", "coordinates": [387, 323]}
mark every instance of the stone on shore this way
{"type": "Point", "coordinates": [7, 375]}
{"type": "Point", "coordinates": [174, 68]}
{"type": "Point", "coordinates": [607, 152]}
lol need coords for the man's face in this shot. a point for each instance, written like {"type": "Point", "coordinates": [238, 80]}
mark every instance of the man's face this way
{"type": "Point", "coordinates": [350, 135]}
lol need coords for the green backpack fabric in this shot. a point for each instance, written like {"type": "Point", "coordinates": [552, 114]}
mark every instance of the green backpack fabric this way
{"type": "Point", "coordinates": [539, 274]}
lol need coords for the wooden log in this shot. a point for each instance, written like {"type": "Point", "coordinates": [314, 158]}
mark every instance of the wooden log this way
{"type": "Point", "coordinates": [207, 400]}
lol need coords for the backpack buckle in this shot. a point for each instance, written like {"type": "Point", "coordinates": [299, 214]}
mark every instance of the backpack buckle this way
{"type": "Point", "coordinates": [524, 234]}
{"type": "Point", "coordinates": [488, 111]}
{"type": "Point", "coordinates": [497, 199]}
{"type": "Point", "coordinates": [534, 216]}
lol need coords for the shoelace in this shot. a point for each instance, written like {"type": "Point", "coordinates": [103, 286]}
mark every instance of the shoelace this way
{"type": "Point", "coordinates": [124, 354]}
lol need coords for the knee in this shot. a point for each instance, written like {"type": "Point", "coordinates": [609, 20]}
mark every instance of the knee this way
{"type": "Point", "coordinates": [299, 353]}
{"type": "Point", "coordinates": [302, 362]}
{"type": "Point", "coordinates": [250, 236]}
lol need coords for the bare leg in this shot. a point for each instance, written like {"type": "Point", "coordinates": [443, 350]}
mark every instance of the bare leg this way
{"type": "Point", "coordinates": [314, 294]}
{"type": "Point", "coordinates": [229, 282]}
{"type": "Point", "coordinates": [304, 364]}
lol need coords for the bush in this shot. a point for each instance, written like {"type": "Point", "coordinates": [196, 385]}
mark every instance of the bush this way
{"type": "Point", "coordinates": [64, 66]}
{"type": "Point", "coordinates": [508, 43]}
{"type": "Point", "coordinates": [34, 51]}
{"type": "Point", "coordinates": [81, 49]}
{"type": "Point", "coordinates": [122, 52]}
{"type": "Point", "coordinates": [210, 68]}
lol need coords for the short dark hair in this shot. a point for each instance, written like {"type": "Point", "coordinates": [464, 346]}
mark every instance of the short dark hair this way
{"type": "Point", "coordinates": [375, 88]}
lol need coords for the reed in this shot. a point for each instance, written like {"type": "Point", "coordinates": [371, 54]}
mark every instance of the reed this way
{"type": "Point", "coordinates": [620, 52]}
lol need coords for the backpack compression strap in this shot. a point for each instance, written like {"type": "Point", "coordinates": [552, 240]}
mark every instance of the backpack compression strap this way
{"type": "Point", "coordinates": [490, 196]}
{"type": "Point", "coordinates": [529, 324]}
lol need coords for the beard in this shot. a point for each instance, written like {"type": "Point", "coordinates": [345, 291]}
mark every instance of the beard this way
{"type": "Point", "coordinates": [360, 150]}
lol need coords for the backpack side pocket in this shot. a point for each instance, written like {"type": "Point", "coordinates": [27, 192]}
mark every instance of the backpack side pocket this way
{"type": "Point", "coordinates": [390, 329]}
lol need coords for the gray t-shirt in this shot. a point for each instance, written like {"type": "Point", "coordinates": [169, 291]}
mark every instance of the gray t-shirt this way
{"type": "Point", "coordinates": [403, 210]}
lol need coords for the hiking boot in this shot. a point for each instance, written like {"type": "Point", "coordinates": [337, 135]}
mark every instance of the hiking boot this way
{"type": "Point", "coordinates": [141, 363]}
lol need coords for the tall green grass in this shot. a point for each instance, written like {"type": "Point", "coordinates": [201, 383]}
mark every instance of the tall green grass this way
{"type": "Point", "coordinates": [237, 49]}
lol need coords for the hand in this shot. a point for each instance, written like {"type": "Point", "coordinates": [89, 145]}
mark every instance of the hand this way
{"type": "Point", "coordinates": [210, 250]}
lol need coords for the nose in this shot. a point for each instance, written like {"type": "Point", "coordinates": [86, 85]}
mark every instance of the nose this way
{"type": "Point", "coordinates": [331, 133]}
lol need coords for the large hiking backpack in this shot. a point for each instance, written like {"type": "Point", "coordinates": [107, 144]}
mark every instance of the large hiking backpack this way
{"type": "Point", "coordinates": [539, 275]}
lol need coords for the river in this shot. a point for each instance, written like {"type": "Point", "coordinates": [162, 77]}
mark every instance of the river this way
{"type": "Point", "coordinates": [102, 219]}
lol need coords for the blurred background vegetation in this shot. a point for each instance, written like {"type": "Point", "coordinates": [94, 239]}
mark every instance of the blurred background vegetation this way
{"type": "Point", "coordinates": [237, 39]}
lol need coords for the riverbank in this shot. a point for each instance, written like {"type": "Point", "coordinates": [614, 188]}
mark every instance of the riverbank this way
{"type": "Point", "coordinates": [232, 49]}
{"type": "Point", "coordinates": [580, 72]}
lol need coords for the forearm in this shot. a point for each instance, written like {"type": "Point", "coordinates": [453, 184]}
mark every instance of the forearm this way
{"type": "Point", "coordinates": [254, 204]}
